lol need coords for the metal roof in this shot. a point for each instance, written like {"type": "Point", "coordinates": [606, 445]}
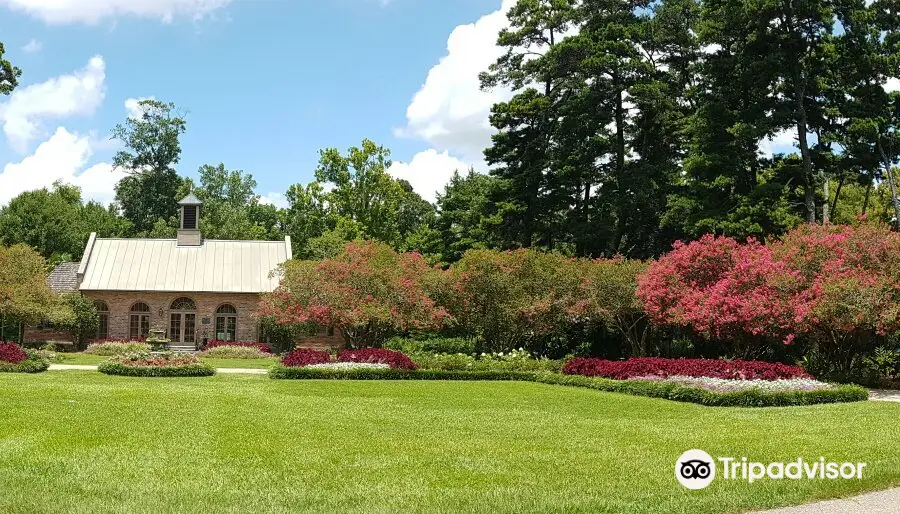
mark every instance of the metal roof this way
{"type": "Point", "coordinates": [162, 265]}
{"type": "Point", "coordinates": [190, 199]}
{"type": "Point", "coordinates": [64, 277]}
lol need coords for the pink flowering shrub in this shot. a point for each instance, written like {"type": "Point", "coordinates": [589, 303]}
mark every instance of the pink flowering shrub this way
{"type": "Point", "coordinates": [304, 357]}
{"type": "Point", "coordinates": [11, 353]}
{"type": "Point", "coordinates": [394, 359]}
{"type": "Point", "coordinates": [659, 367]}
{"type": "Point", "coordinates": [368, 291]}
{"type": "Point", "coordinates": [835, 288]}
{"type": "Point", "coordinates": [263, 347]}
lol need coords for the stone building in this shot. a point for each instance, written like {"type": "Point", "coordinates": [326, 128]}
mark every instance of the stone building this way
{"type": "Point", "coordinates": [196, 290]}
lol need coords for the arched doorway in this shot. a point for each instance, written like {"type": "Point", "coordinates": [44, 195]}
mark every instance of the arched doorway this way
{"type": "Point", "coordinates": [183, 321]}
{"type": "Point", "coordinates": [139, 321]}
{"type": "Point", "coordinates": [226, 323]}
{"type": "Point", "coordinates": [103, 317]}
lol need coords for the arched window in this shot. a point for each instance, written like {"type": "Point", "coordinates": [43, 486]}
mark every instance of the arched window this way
{"type": "Point", "coordinates": [183, 304]}
{"type": "Point", "coordinates": [103, 314]}
{"type": "Point", "coordinates": [183, 321]}
{"type": "Point", "coordinates": [226, 323]}
{"type": "Point", "coordinates": [139, 322]}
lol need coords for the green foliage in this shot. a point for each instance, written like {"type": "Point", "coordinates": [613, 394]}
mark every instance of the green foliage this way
{"type": "Point", "coordinates": [79, 317]}
{"type": "Point", "coordinates": [152, 149]}
{"type": "Point", "coordinates": [112, 367]}
{"type": "Point", "coordinates": [666, 390]}
{"type": "Point", "coordinates": [235, 352]}
{"type": "Point", "coordinates": [35, 363]}
{"type": "Point", "coordinates": [9, 74]}
{"type": "Point", "coordinates": [113, 348]}
{"type": "Point", "coordinates": [432, 345]}
{"type": "Point", "coordinates": [25, 296]}
{"type": "Point", "coordinates": [56, 223]}
{"type": "Point", "coordinates": [228, 198]}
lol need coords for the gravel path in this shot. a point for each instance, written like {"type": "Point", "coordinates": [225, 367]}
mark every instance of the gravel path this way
{"type": "Point", "coordinates": [881, 502]}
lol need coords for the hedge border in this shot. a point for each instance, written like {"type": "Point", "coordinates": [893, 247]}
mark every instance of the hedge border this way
{"type": "Point", "coordinates": [665, 390]}
{"type": "Point", "coordinates": [186, 370]}
{"type": "Point", "coordinates": [26, 366]}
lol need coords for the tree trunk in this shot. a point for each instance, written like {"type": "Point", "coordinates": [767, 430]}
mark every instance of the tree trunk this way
{"type": "Point", "coordinates": [837, 194]}
{"type": "Point", "coordinates": [620, 171]}
{"type": "Point", "coordinates": [865, 205]}
{"type": "Point", "coordinates": [826, 215]}
{"type": "Point", "coordinates": [890, 177]}
{"type": "Point", "coordinates": [809, 193]}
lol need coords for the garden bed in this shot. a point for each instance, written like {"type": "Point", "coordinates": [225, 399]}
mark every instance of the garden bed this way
{"type": "Point", "coordinates": [163, 364]}
{"type": "Point", "coordinates": [14, 359]}
{"type": "Point", "coordinates": [754, 397]}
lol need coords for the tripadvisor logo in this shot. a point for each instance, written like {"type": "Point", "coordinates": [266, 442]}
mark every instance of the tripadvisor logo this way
{"type": "Point", "coordinates": [695, 469]}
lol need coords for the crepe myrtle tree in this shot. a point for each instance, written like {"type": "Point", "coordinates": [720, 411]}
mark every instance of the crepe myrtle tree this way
{"type": "Point", "coordinates": [368, 291]}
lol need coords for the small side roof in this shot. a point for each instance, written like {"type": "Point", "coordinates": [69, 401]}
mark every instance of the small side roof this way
{"type": "Point", "coordinates": [64, 277]}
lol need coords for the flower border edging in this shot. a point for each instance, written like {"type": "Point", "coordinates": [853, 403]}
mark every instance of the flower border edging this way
{"type": "Point", "coordinates": [668, 391]}
{"type": "Point", "coordinates": [188, 370]}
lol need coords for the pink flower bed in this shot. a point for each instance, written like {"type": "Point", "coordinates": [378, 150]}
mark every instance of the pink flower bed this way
{"type": "Point", "coordinates": [12, 353]}
{"type": "Point", "coordinates": [397, 360]}
{"type": "Point", "coordinates": [304, 357]}
{"type": "Point", "coordinates": [659, 367]}
{"type": "Point", "coordinates": [263, 347]}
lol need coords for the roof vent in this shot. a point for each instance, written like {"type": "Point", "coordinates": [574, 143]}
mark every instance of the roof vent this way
{"type": "Point", "coordinates": [189, 231]}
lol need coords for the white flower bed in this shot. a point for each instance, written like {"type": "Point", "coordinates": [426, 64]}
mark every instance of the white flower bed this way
{"type": "Point", "coordinates": [723, 385]}
{"type": "Point", "coordinates": [349, 365]}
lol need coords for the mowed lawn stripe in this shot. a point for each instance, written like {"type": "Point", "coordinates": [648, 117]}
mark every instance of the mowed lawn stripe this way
{"type": "Point", "coordinates": [86, 442]}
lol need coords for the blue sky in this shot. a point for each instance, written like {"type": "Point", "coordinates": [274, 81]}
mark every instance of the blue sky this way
{"type": "Point", "coordinates": [265, 83]}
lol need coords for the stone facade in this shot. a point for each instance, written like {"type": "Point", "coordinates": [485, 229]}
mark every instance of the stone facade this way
{"type": "Point", "coordinates": [120, 303]}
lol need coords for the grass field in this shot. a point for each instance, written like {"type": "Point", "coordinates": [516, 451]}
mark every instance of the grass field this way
{"type": "Point", "coordinates": [85, 358]}
{"type": "Point", "coordinates": [86, 442]}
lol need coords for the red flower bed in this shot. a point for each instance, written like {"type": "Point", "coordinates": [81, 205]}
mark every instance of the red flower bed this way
{"type": "Point", "coordinates": [655, 366]}
{"type": "Point", "coordinates": [263, 347]}
{"type": "Point", "coordinates": [397, 360]}
{"type": "Point", "coordinates": [304, 357]}
{"type": "Point", "coordinates": [12, 353]}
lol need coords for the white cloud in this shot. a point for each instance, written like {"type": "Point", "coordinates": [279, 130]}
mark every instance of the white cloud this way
{"type": "Point", "coordinates": [892, 84]}
{"type": "Point", "coordinates": [276, 199]}
{"type": "Point", "coordinates": [33, 46]}
{"type": "Point", "coordinates": [450, 111]}
{"type": "Point", "coordinates": [62, 157]}
{"type": "Point", "coordinates": [78, 93]}
{"type": "Point", "coordinates": [428, 172]}
{"type": "Point", "coordinates": [93, 11]}
{"type": "Point", "coordinates": [133, 106]}
{"type": "Point", "coordinates": [782, 141]}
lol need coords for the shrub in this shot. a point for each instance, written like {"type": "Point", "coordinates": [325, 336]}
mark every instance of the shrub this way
{"type": "Point", "coordinates": [235, 352]}
{"type": "Point", "coordinates": [394, 359]}
{"type": "Point", "coordinates": [608, 287]}
{"type": "Point", "coordinates": [516, 360]}
{"type": "Point", "coordinates": [444, 361]}
{"type": "Point", "coordinates": [165, 364]}
{"type": "Point", "coordinates": [112, 347]}
{"type": "Point", "coordinates": [665, 390]}
{"type": "Point", "coordinates": [448, 345]}
{"type": "Point", "coordinates": [368, 291]}
{"type": "Point", "coordinates": [263, 347]}
{"type": "Point", "coordinates": [11, 353]}
{"type": "Point", "coordinates": [654, 366]}
{"type": "Point", "coordinates": [304, 357]}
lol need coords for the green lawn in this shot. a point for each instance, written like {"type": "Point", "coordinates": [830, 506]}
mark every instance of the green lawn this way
{"type": "Point", "coordinates": [86, 442]}
{"type": "Point", "coordinates": [84, 358]}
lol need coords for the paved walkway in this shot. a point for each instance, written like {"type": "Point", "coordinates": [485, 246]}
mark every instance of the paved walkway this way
{"type": "Point", "coordinates": [885, 395]}
{"type": "Point", "coordinates": [881, 502]}
{"type": "Point", "coordinates": [81, 367]}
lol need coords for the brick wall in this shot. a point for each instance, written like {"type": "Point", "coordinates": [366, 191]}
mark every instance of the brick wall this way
{"type": "Point", "coordinates": [120, 303]}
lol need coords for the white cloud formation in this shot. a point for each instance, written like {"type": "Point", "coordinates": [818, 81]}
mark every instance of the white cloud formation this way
{"type": "Point", "coordinates": [276, 199]}
{"type": "Point", "coordinates": [33, 46]}
{"type": "Point", "coordinates": [93, 11]}
{"type": "Point", "coordinates": [78, 93]}
{"type": "Point", "coordinates": [450, 111]}
{"type": "Point", "coordinates": [428, 172]}
{"type": "Point", "coordinates": [892, 84]}
{"type": "Point", "coordinates": [133, 106]}
{"type": "Point", "coordinates": [782, 141]}
{"type": "Point", "coordinates": [62, 157]}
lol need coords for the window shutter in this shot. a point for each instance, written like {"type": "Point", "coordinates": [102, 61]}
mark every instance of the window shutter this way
{"type": "Point", "coordinates": [190, 217]}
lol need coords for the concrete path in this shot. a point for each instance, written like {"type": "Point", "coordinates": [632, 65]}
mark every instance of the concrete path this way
{"type": "Point", "coordinates": [81, 367]}
{"type": "Point", "coordinates": [885, 395]}
{"type": "Point", "coordinates": [881, 502]}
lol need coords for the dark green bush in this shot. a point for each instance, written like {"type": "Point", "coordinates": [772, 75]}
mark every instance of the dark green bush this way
{"type": "Point", "coordinates": [450, 345]}
{"type": "Point", "coordinates": [33, 364]}
{"type": "Point", "coordinates": [113, 367]}
{"type": "Point", "coordinates": [669, 391]}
